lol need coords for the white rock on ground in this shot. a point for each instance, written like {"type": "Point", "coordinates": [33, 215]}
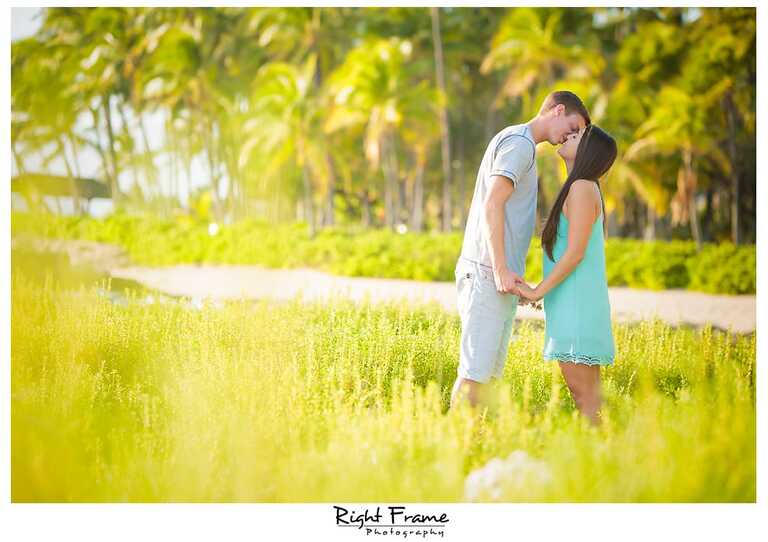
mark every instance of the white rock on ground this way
{"type": "Point", "coordinates": [518, 474]}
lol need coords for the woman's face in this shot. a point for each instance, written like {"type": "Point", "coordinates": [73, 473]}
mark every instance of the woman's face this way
{"type": "Point", "coordinates": [567, 150]}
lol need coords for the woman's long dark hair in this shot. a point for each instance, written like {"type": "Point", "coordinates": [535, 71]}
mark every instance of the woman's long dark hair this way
{"type": "Point", "coordinates": [594, 157]}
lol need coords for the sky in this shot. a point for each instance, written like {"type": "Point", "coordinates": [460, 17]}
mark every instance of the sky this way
{"type": "Point", "coordinates": [24, 23]}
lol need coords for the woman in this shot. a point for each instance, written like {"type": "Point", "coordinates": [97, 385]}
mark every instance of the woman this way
{"type": "Point", "coordinates": [575, 289]}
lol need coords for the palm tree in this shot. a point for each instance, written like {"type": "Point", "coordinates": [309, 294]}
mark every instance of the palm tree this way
{"type": "Point", "coordinates": [372, 88]}
{"type": "Point", "coordinates": [93, 39]}
{"type": "Point", "coordinates": [678, 125]}
{"type": "Point", "coordinates": [531, 48]}
{"type": "Point", "coordinates": [419, 133]}
{"type": "Point", "coordinates": [293, 35]}
{"type": "Point", "coordinates": [284, 127]}
{"type": "Point", "coordinates": [723, 51]}
{"type": "Point", "coordinates": [183, 74]}
{"type": "Point", "coordinates": [45, 121]}
{"type": "Point", "coordinates": [445, 141]}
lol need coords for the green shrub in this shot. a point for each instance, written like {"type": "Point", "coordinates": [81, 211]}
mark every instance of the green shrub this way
{"type": "Point", "coordinates": [356, 252]}
{"type": "Point", "coordinates": [724, 269]}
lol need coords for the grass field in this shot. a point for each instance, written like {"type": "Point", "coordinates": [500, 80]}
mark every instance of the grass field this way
{"type": "Point", "coordinates": [342, 402]}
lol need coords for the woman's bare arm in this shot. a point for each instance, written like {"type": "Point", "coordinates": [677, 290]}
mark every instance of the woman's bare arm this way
{"type": "Point", "coordinates": [581, 217]}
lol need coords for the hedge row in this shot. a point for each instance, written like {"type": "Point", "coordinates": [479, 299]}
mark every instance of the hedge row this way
{"type": "Point", "coordinates": [657, 265]}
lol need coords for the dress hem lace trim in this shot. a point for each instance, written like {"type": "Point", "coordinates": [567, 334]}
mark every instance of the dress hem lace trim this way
{"type": "Point", "coordinates": [578, 358]}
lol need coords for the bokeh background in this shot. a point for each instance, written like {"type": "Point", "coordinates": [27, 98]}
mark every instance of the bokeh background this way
{"type": "Point", "coordinates": [379, 116]}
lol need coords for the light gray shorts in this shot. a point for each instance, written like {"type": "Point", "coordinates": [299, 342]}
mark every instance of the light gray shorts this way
{"type": "Point", "coordinates": [487, 317]}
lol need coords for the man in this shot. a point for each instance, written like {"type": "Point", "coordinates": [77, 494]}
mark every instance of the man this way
{"type": "Point", "coordinates": [499, 228]}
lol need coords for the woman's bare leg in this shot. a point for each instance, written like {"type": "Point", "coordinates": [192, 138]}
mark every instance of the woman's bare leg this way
{"type": "Point", "coordinates": [584, 383]}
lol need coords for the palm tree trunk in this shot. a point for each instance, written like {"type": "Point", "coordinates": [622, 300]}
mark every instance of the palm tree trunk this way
{"type": "Point", "coordinates": [409, 184]}
{"type": "Point", "coordinates": [365, 203]}
{"type": "Point", "coordinates": [417, 200]}
{"type": "Point", "coordinates": [75, 153]}
{"type": "Point", "coordinates": [394, 169]}
{"type": "Point", "coordinates": [116, 199]}
{"type": "Point", "coordinates": [149, 159]}
{"type": "Point", "coordinates": [735, 188]}
{"type": "Point", "coordinates": [188, 172]}
{"type": "Point", "coordinates": [273, 210]}
{"type": "Point", "coordinates": [492, 111]}
{"type": "Point", "coordinates": [693, 214]}
{"type": "Point", "coordinates": [330, 208]}
{"type": "Point", "coordinates": [445, 145]}
{"type": "Point", "coordinates": [18, 159]}
{"type": "Point", "coordinates": [78, 173]}
{"type": "Point", "coordinates": [174, 157]}
{"type": "Point", "coordinates": [650, 224]}
{"type": "Point", "coordinates": [102, 155]}
{"type": "Point", "coordinates": [57, 199]}
{"type": "Point", "coordinates": [130, 150]}
{"type": "Point", "coordinates": [309, 214]}
{"type": "Point", "coordinates": [75, 190]}
{"type": "Point", "coordinates": [230, 163]}
{"type": "Point", "coordinates": [243, 210]}
{"type": "Point", "coordinates": [388, 183]}
{"type": "Point", "coordinates": [462, 181]}
{"type": "Point", "coordinates": [212, 169]}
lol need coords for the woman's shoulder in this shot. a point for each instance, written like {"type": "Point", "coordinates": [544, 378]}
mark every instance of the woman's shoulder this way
{"type": "Point", "coordinates": [583, 192]}
{"type": "Point", "coordinates": [584, 187]}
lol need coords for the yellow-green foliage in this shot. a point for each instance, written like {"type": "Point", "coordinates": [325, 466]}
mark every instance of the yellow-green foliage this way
{"type": "Point", "coordinates": [343, 402]}
{"type": "Point", "coordinates": [724, 268]}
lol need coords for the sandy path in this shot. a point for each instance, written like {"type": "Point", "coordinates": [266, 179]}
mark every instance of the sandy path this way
{"type": "Point", "coordinates": [230, 282]}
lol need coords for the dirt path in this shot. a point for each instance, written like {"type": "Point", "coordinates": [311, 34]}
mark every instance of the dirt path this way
{"type": "Point", "coordinates": [230, 282]}
{"type": "Point", "coordinates": [221, 282]}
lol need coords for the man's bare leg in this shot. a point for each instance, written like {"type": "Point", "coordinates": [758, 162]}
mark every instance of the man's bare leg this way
{"type": "Point", "coordinates": [471, 390]}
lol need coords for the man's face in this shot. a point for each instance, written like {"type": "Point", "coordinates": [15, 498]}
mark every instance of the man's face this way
{"type": "Point", "coordinates": [568, 149]}
{"type": "Point", "coordinates": [564, 125]}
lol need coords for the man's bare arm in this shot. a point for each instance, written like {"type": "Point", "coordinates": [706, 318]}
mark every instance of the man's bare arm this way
{"type": "Point", "coordinates": [492, 225]}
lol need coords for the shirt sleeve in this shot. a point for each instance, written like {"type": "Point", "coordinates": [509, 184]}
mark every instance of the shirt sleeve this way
{"type": "Point", "coordinates": [514, 157]}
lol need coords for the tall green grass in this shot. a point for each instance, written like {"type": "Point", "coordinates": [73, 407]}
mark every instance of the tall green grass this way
{"type": "Point", "coordinates": [341, 402]}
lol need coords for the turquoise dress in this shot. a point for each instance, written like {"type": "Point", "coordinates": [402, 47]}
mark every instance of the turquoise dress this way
{"type": "Point", "coordinates": [577, 311]}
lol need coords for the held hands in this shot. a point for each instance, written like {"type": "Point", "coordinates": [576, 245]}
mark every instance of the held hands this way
{"type": "Point", "coordinates": [506, 281]}
{"type": "Point", "coordinates": [509, 282]}
{"type": "Point", "coordinates": [528, 295]}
